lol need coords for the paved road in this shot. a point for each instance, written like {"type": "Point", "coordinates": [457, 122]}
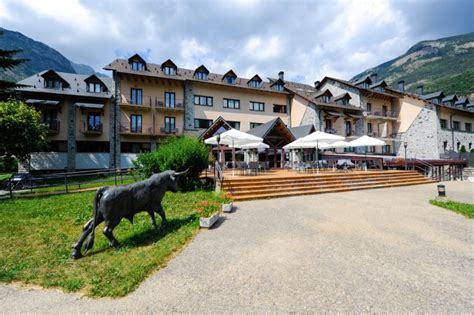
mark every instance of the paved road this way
{"type": "Point", "coordinates": [381, 250]}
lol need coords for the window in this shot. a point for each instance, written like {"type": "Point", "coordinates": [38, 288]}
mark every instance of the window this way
{"type": "Point", "coordinates": [348, 128]}
{"type": "Point", "coordinates": [470, 146]}
{"type": "Point", "coordinates": [229, 79]}
{"type": "Point", "coordinates": [50, 118]}
{"type": "Point", "coordinates": [369, 128]}
{"type": "Point", "coordinates": [203, 100]}
{"type": "Point", "coordinates": [201, 75]}
{"type": "Point", "coordinates": [279, 108]}
{"type": "Point", "coordinates": [328, 124]}
{"type": "Point", "coordinates": [445, 145]}
{"type": "Point", "coordinates": [344, 101]}
{"type": "Point", "coordinates": [384, 110]}
{"type": "Point", "coordinates": [456, 125]}
{"type": "Point", "coordinates": [138, 66]}
{"type": "Point", "coordinates": [468, 127]}
{"type": "Point", "coordinates": [351, 149]}
{"type": "Point", "coordinates": [202, 123]}
{"type": "Point", "coordinates": [53, 84]}
{"type": "Point", "coordinates": [136, 96]}
{"type": "Point", "coordinates": [386, 148]}
{"type": "Point", "coordinates": [443, 123]}
{"type": "Point", "coordinates": [170, 99]}
{"type": "Point", "coordinates": [370, 149]}
{"type": "Point", "coordinates": [458, 145]}
{"type": "Point", "coordinates": [325, 98]}
{"type": "Point", "coordinates": [254, 124]}
{"type": "Point", "coordinates": [234, 124]}
{"type": "Point", "coordinates": [257, 106]}
{"type": "Point", "coordinates": [170, 124]}
{"type": "Point", "coordinates": [365, 85]}
{"type": "Point", "coordinates": [278, 87]}
{"type": "Point", "coordinates": [369, 107]}
{"type": "Point", "coordinates": [230, 103]}
{"type": "Point", "coordinates": [94, 87]}
{"type": "Point", "coordinates": [254, 83]}
{"type": "Point", "coordinates": [136, 123]}
{"type": "Point", "coordinates": [169, 70]}
{"type": "Point", "coordinates": [93, 121]}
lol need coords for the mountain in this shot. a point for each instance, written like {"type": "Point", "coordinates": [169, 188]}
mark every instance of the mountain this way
{"type": "Point", "coordinates": [41, 57]}
{"type": "Point", "coordinates": [445, 64]}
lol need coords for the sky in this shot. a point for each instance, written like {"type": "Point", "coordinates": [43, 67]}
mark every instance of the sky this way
{"type": "Point", "coordinates": [306, 39]}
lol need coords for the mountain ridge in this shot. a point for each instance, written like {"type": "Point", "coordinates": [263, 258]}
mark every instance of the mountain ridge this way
{"type": "Point", "coordinates": [445, 64]}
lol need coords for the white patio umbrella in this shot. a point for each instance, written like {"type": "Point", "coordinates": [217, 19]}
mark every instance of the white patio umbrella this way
{"type": "Point", "coordinates": [233, 138]}
{"type": "Point", "coordinates": [334, 145]}
{"type": "Point", "coordinates": [298, 144]}
{"type": "Point", "coordinates": [321, 136]}
{"type": "Point", "coordinates": [255, 145]}
{"type": "Point", "coordinates": [366, 141]}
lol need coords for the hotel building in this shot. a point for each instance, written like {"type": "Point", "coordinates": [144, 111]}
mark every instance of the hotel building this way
{"type": "Point", "coordinates": [144, 102]}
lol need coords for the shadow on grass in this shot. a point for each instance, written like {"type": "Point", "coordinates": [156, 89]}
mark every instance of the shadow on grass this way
{"type": "Point", "coordinates": [152, 235]}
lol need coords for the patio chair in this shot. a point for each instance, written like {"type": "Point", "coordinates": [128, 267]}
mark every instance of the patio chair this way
{"type": "Point", "coordinates": [253, 168]}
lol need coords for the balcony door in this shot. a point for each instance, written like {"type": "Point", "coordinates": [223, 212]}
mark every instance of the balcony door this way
{"type": "Point", "coordinates": [93, 121]}
{"type": "Point", "coordinates": [136, 123]}
{"type": "Point", "coordinates": [383, 130]}
{"type": "Point", "coordinates": [170, 99]}
{"type": "Point", "coordinates": [170, 124]}
{"type": "Point", "coordinates": [136, 96]}
{"type": "Point", "coordinates": [328, 123]}
{"type": "Point", "coordinates": [348, 128]}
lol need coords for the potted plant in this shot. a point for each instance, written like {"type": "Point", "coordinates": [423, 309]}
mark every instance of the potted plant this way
{"type": "Point", "coordinates": [208, 212]}
{"type": "Point", "coordinates": [227, 204]}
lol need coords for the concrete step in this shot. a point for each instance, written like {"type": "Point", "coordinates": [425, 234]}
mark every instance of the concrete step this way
{"type": "Point", "coordinates": [327, 190]}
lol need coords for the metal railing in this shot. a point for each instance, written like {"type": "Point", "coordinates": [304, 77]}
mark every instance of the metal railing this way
{"type": "Point", "coordinates": [88, 128]}
{"type": "Point", "coordinates": [330, 130]}
{"type": "Point", "coordinates": [381, 113]}
{"type": "Point", "coordinates": [31, 185]}
{"type": "Point", "coordinates": [52, 126]}
{"type": "Point", "coordinates": [144, 101]}
{"type": "Point", "coordinates": [162, 103]}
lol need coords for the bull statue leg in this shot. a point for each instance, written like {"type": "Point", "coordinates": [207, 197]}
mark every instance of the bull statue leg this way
{"type": "Point", "coordinates": [76, 248]}
{"type": "Point", "coordinates": [159, 209]}
{"type": "Point", "coordinates": [152, 218]}
{"type": "Point", "coordinates": [108, 233]}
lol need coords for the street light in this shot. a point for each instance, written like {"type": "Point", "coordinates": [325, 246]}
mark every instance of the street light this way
{"type": "Point", "coordinates": [405, 145]}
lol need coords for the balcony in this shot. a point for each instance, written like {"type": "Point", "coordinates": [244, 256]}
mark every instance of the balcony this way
{"type": "Point", "coordinates": [89, 129]}
{"type": "Point", "coordinates": [144, 102]}
{"type": "Point", "coordinates": [330, 130]}
{"type": "Point", "coordinates": [351, 133]}
{"type": "Point", "coordinates": [52, 126]}
{"type": "Point", "coordinates": [382, 135]}
{"type": "Point", "coordinates": [168, 131]}
{"type": "Point", "coordinates": [382, 115]}
{"type": "Point", "coordinates": [147, 130]}
{"type": "Point", "coordinates": [163, 105]}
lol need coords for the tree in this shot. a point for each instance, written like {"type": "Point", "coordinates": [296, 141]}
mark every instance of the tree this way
{"type": "Point", "coordinates": [21, 131]}
{"type": "Point", "coordinates": [177, 154]}
{"type": "Point", "coordinates": [462, 149]}
{"type": "Point", "coordinates": [7, 62]}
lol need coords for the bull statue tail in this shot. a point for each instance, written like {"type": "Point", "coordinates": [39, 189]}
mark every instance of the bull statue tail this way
{"type": "Point", "coordinates": [98, 196]}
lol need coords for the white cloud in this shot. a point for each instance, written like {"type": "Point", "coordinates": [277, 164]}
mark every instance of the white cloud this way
{"type": "Point", "coordinates": [307, 39]}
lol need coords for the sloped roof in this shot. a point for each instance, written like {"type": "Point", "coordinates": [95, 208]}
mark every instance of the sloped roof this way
{"type": "Point", "coordinates": [201, 68]}
{"type": "Point", "coordinates": [302, 131]}
{"type": "Point", "coordinates": [321, 93]}
{"type": "Point", "coordinates": [77, 85]}
{"type": "Point", "coordinates": [169, 63]}
{"type": "Point", "coordinates": [462, 101]}
{"type": "Point", "coordinates": [263, 130]}
{"type": "Point", "coordinates": [342, 96]}
{"type": "Point", "coordinates": [220, 122]}
{"type": "Point", "coordinates": [366, 79]}
{"type": "Point", "coordinates": [377, 84]}
{"type": "Point", "coordinates": [438, 94]}
{"type": "Point", "coordinates": [450, 98]}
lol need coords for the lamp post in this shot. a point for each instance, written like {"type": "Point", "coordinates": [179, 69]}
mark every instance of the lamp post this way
{"type": "Point", "coordinates": [405, 144]}
{"type": "Point", "coordinates": [218, 149]}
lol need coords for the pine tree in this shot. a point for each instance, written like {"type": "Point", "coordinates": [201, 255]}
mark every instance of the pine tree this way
{"type": "Point", "coordinates": [8, 62]}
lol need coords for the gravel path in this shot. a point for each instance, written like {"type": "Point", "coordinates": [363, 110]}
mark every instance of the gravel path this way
{"type": "Point", "coordinates": [383, 250]}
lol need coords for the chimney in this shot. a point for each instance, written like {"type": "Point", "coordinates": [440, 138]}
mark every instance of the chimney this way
{"type": "Point", "coordinates": [316, 84]}
{"type": "Point", "coordinates": [401, 86]}
{"type": "Point", "coordinates": [419, 89]}
{"type": "Point", "coordinates": [373, 77]}
{"type": "Point", "coordinates": [281, 75]}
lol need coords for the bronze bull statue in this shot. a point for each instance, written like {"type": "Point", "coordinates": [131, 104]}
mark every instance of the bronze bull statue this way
{"type": "Point", "coordinates": [112, 204]}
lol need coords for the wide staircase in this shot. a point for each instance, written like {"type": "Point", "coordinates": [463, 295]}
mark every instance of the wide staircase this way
{"type": "Point", "coordinates": [267, 186]}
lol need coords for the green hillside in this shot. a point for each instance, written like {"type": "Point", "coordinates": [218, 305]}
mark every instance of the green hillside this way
{"type": "Point", "coordinates": [41, 57]}
{"type": "Point", "coordinates": [445, 64]}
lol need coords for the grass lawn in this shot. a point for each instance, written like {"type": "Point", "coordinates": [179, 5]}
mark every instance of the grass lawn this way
{"type": "Point", "coordinates": [36, 236]}
{"type": "Point", "coordinates": [465, 209]}
{"type": "Point", "coordinates": [5, 176]}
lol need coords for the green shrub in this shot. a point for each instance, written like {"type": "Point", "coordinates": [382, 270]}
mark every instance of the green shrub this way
{"type": "Point", "coordinates": [8, 164]}
{"type": "Point", "coordinates": [177, 154]}
{"type": "Point", "coordinates": [472, 150]}
{"type": "Point", "coordinates": [462, 149]}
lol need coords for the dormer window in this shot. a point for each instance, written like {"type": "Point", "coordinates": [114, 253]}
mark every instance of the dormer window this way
{"type": "Point", "coordinates": [137, 66]}
{"type": "Point", "coordinates": [345, 101]}
{"type": "Point", "coordinates": [365, 85]}
{"type": "Point", "coordinates": [230, 77]}
{"type": "Point", "coordinates": [201, 75]}
{"type": "Point", "coordinates": [254, 83]}
{"type": "Point", "coordinates": [94, 87]}
{"type": "Point", "coordinates": [278, 87]}
{"type": "Point", "coordinates": [169, 70]}
{"type": "Point", "coordinates": [53, 84]}
{"type": "Point", "coordinates": [325, 98]}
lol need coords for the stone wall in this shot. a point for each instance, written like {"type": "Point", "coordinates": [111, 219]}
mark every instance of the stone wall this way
{"type": "Point", "coordinates": [421, 136]}
{"type": "Point", "coordinates": [464, 138]}
{"type": "Point", "coordinates": [71, 136]}
{"type": "Point", "coordinates": [115, 115]}
{"type": "Point", "coordinates": [188, 106]}
{"type": "Point", "coordinates": [312, 116]}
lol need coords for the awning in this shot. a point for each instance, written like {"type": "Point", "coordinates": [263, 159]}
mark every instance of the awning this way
{"type": "Point", "coordinates": [331, 113]}
{"type": "Point", "coordinates": [354, 116]}
{"type": "Point", "coordinates": [89, 105]}
{"type": "Point", "coordinates": [41, 102]}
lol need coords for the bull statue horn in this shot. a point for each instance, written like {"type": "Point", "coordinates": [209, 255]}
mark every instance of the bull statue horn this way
{"type": "Point", "coordinates": [181, 173]}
